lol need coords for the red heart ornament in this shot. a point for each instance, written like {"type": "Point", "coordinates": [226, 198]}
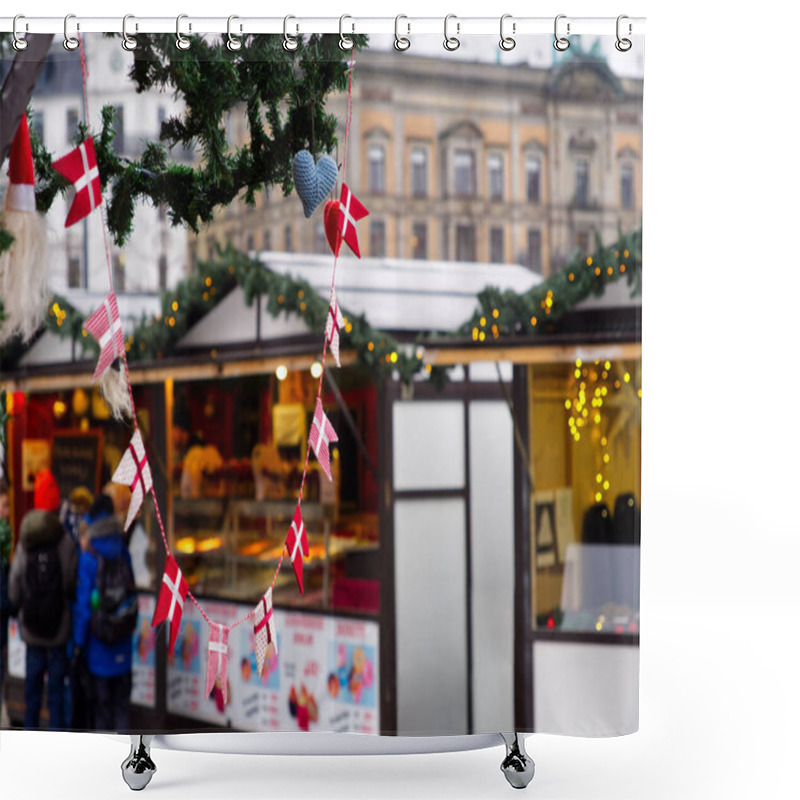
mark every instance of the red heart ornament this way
{"type": "Point", "coordinates": [330, 218]}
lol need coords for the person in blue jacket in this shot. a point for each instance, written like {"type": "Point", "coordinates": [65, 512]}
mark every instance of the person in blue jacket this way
{"type": "Point", "coordinates": [109, 665]}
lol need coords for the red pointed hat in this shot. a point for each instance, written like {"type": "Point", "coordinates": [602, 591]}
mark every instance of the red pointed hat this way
{"type": "Point", "coordinates": [20, 195]}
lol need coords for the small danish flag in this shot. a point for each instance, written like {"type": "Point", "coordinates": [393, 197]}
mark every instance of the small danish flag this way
{"type": "Point", "coordinates": [217, 667]}
{"type": "Point", "coordinates": [106, 327]}
{"type": "Point", "coordinates": [350, 211]}
{"type": "Point", "coordinates": [79, 166]}
{"type": "Point", "coordinates": [264, 629]}
{"type": "Point", "coordinates": [334, 324]}
{"type": "Point", "coordinates": [171, 599]}
{"type": "Point", "coordinates": [134, 471]}
{"type": "Point", "coordinates": [297, 545]}
{"type": "Point", "coordinates": [321, 436]}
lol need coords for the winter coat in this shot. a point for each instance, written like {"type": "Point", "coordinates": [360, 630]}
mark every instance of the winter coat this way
{"type": "Point", "coordinates": [103, 660]}
{"type": "Point", "coordinates": [40, 528]}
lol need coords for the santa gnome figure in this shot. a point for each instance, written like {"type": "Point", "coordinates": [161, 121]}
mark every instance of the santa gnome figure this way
{"type": "Point", "coordinates": [23, 267]}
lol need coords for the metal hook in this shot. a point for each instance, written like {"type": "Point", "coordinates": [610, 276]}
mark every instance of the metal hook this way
{"type": "Point", "coordinates": [233, 43]}
{"type": "Point", "coordinates": [623, 45]}
{"type": "Point", "coordinates": [71, 42]}
{"type": "Point", "coordinates": [506, 42]}
{"type": "Point", "coordinates": [289, 42]}
{"type": "Point", "coordinates": [451, 42]}
{"type": "Point", "coordinates": [128, 42]}
{"type": "Point", "coordinates": [561, 43]}
{"type": "Point", "coordinates": [181, 41]}
{"type": "Point", "coordinates": [345, 42]}
{"type": "Point", "coordinates": [19, 43]}
{"type": "Point", "coordinates": [401, 42]}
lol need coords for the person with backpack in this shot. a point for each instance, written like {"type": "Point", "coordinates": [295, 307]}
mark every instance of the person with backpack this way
{"type": "Point", "coordinates": [41, 585]}
{"type": "Point", "coordinates": [106, 614]}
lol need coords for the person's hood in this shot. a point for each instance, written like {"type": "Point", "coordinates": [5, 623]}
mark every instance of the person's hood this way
{"type": "Point", "coordinates": [39, 529]}
{"type": "Point", "coordinates": [105, 537]}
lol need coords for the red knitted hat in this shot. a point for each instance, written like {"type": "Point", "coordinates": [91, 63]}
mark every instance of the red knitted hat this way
{"type": "Point", "coordinates": [46, 495]}
{"type": "Point", "coordinates": [20, 195]}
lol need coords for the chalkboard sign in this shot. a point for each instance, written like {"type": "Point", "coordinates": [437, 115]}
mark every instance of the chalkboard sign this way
{"type": "Point", "coordinates": [76, 460]}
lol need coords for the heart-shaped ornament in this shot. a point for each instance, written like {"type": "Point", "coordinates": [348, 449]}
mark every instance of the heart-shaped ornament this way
{"type": "Point", "coordinates": [330, 217]}
{"type": "Point", "coordinates": [313, 181]}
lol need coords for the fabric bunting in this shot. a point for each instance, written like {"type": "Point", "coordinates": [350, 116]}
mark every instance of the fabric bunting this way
{"type": "Point", "coordinates": [350, 211]}
{"type": "Point", "coordinates": [217, 668]}
{"type": "Point", "coordinates": [134, 471]}
{"type": "Point", "coordinates": [79, 167]}
{"type": "Point", "coordinates": [106, 327]}
{"type": "Point", "coordinates": [321, 436]}
{"type": "Point", "coordinates": [171, 599]}
{"type": "Point", "coordinates": [297, 545]}
{"type": "Point", "coordinates": [333, 326]}
{"type": "Point", "coordinates": [264, 628]}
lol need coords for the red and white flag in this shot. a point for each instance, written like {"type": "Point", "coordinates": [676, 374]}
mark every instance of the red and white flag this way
{"type": "Point", "coordinates": [321, 436]}
{"type": "Point", "coordinates": [264, 629]}
{"type": "Point", "coordinates": [217, 667]}
{"type": "Point", "coordinates": [297, 545]}
{"type": "Point", "coordinates": [79, 166]}
{"type": "Point", "coordinates": [334, 324]}
{"type": "Point", "coordinates": [171, 598]}
{"type": "Point", "coordinates": [351, 209]}
{"type": "Point", "coordinates": [106, 327]}
{"type": "Point", "coordinates": [134, 471]}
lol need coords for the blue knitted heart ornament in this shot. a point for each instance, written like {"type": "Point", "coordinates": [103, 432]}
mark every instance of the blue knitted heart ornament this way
{"type": "Point", "coordinates": [313, 181]}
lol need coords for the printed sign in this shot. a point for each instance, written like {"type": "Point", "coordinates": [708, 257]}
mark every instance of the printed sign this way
{"type": "Point", "coordinates": [143, 691]}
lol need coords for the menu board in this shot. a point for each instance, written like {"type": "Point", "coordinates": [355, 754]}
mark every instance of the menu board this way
{"type": "Point", "coordinates": [76, 460]}
{"type": "Point", "coordinates": [143, 690]}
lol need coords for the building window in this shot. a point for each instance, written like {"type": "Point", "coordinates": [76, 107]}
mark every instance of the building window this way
{"type": "Point", "coordinates": [212, 248]}
{"type": "Point", "coordinates": [464, 173]}
{"type": "Point", "coordinates": [377, 238]}
{"type": "Point", "coordinates": [37, 125]}
{"type": "Point", "coordinates": [626, 185]}
{"type": "Point", "coordinates": [582, 242]}
{"type": "Point", "coordinates": [288, 244]}
{"type": "Point", "coordinates": [494, 168]}
{"type": "Point", "coordinates": [320, 240]}
{"type": "Point", "coordinates": [419, 172]}
{"type": "Point", "coordinates": [533, 179]}
{"type": "Point", "coordinates": [74, 272]}
{"type": "Point", "coordinates": [162, 272]}
{"type": "Point", "coordinates": [118, 268]}
{"type": "Point", "coordinates": [582, 182]}
{"type": "Point", "coordinates": [465, 242]}
{"type": "Point", "coordinates": [533, 257]}
{"type": "Point", "coordinates": [119, 130]}
{"type": "Point", "coordinates": [496, 254]}
{"type": "Point", "coordinates": [72, 123]}
{"type": "Point", "coordinates": [267, 241]}
{"type": "Point", "coordinates": [419, 240]}
{"type": "Point", "coordinates": [376, 156]}
{"type": "Point", "coordinates": [250, 243]}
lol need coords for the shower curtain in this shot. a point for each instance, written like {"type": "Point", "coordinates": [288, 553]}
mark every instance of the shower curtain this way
{"type": "Point", "coordinates": [349, 340]}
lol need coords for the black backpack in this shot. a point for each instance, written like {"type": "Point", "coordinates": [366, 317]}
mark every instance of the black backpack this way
{"type": "Point", "coordinates": [43, 598]}
{"type": "Point", "coordinates": [115, 613]}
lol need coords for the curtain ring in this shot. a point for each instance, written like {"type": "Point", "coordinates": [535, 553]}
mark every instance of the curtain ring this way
{"type": "Point", "coordinates": [623, 45]}
{"type": "Point", "coordinates": [506, 42]}
{"type": "Point", "coordinates": [233, 42]}
{"type": "Point", "coordinates": [345, 42]}
{"type": "Point", "coordinates": [561, 43]}
{"type": "Point", "coordinates": [128, 42]}
{"type": "Point", "coordinates": [401, 43]}
{"type": "Point", "coordinates": [451, 42]}
{"type": "Point", "coordinates": [289, 42]}
{"type": "Point", "coordinates": [71, 42]}
{"type": "Point", "coordinates": [19, 42]}
{"type": "Point", "coordinates": [181, 41]}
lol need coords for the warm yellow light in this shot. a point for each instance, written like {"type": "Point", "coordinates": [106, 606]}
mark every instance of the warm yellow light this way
{"type": "Point", "coordinates": [316, 370]}
{"type": "Point", "coordinates": [597, 270]}
{"type": "Point", "coordinates": [393, 358]}
{"type": "Point", "coordinates": [281, 372]}
{"type": "Point", "coordinates": [174, 305]}
{"type": "Point", "coordinates": [280, 299]}
{"type": "Point", "coordinates": [598, 497]}
{"type": "Point", "coordinates": [59, 409]}
{"type": "Point", "coordinates": [495, 313]}
{"type": "Point", "coordinates": [577, 373]}
{"type": "Point", "coordinates": [568, 404]}
{"type": "Point", "coordinates": [598, 478]}
{"type": "Point", "coordinates": [208, 281]}
{"type": "Point", "coordinates": [622, 268]}
{"type": "Point", "coordinates": [348, 327]}
{"type": "Point", "coordinates": [483, 322]}
{"type": "Point", "coordinates": [474, 334]}
{"type": "Point", "coordinates": [639, 393]}
{"type": "Point", "coordinates": [301, 294]}
{"type": "Point", "coordinates": [589, 261]}
{"type": "Point", "coordinates": [610, 270]}
{"type": "Point", "coordinates": [627, 377]}
{"type": "Point", "coordinates": [370, 346]}
{"type": "Point", "coordinates": [597, 419]}
{"type": "Point", "coordinates": [534, 321]}
{"type": "Point", "coordinates": [482, 336]}
{"type": "Point", "coordinates": [578, 362]}
{"type": "Point", "coordinates": [172, 322]}
{"type": "Point", "coordinates": [606, 484]}
{"type": "Point", "coordinates": [604, 441]}
{"type": "Point", "coordinates": [607, 365]}
{"type": "Point", "coordinates": [571, 277]}
{"type": "Point", "coordinates": [598, 626]}
{"type": "Point", "coordinates": [625, 253]}
{"type": "Point", "coordinates": [606, 458]}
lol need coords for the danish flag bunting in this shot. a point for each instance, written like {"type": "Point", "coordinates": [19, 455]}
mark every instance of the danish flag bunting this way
{"type": "Point", "coordinates": [297, 545]}
{"type": "Point", "coordinates": [106, 327]}
{"type": "Point", "coordinates": [321, 436]}
{"type": "Point", "coordinates": [334, 324]}
{"type": "Point", "coordinates": [134, 471]}
{"type": "Point", "coordinates": [79, 166]}
{"type": "Point", "coordinates": [171, 597]}
{"type": "Point", "coordinates": [350, 211]}
{"type": "Point", "coordinates": [264, 627]}
{"type": "Point", "coordinates": [217, 660]}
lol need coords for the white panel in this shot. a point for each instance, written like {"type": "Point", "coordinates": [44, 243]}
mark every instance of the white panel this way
{"type": "Point", "coordinates": [428, 445]}
{"type": "Point", "coordinates": [431, 616]}
{"type": "Point", "coordinates": [585, 689]}
{"type": "Point", "coordinates": [486, 371]}
{"type": "Point", "coordinates": [492, 545]}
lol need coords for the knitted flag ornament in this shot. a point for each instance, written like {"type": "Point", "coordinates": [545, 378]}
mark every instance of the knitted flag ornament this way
{"type": "Point", "coordinates": [106, 327]}
{"type": "Point", "coordinates": [322, 436]}
{"type": "Point", "coordinates": [313, 181]}
{"type": "Point", "coordinates": [134, 471]}
{"type": "Point", "coordinates": [171, 599]}
{"type": "Point", "coordinates": [350, 211]}
{"type": "Point", "coordinates": [264, 630]}
{"type": "Point", "coordinates": [334, 324]}
{"type": "Point", "coordinates": [297, 545]}
{"type": "Point", "coordinates": [217, 667]}
{"type": "Point", "coordinates": [79, 167]}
